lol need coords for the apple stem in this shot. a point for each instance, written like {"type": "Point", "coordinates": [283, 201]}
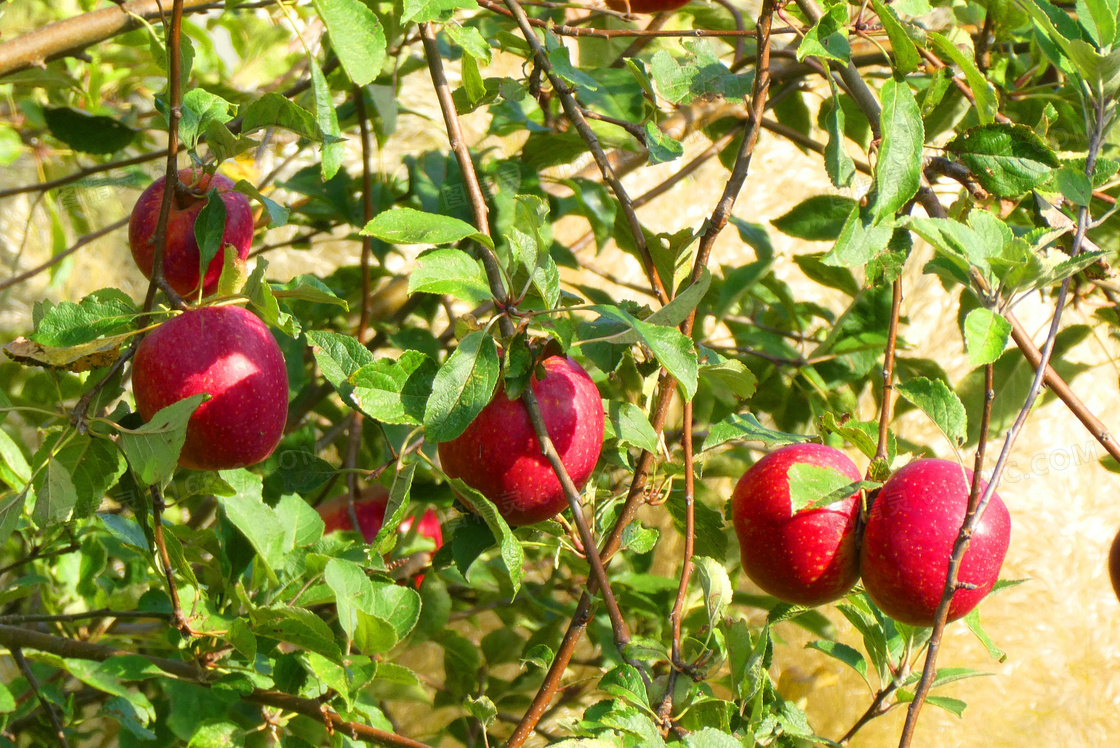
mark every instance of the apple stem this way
{"type": "Point", "coordinates": [177, 617]}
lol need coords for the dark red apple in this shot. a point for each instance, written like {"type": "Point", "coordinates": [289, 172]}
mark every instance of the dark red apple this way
{"type": "Point", "coordinates": [645, 6]}
{"type": "Point", "coordinates": [1114, 565]}
{"type": "Point", "coordinates": [181, 257]}
{"type": "Point", "coordinates": [911, 529]}
{"type": "Point", "coordinates": [370, 509]}
{"type": "Point", "coordinates": [807, 558]}
{"type": "Point", "coordinates": [228, 352]}
{"type": "Point", "coordinates": [499, 454]}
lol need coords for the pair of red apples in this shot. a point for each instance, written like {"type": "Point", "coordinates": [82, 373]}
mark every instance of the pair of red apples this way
{"type": "Point", "coordinates": [816, 555]}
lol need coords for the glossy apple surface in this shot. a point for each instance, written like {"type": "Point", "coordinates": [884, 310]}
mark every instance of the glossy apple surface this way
{"type": "Point", "coordinates": [499, 454]}
{"type": "Point", "coordinates": [181, 257]}
{"type": "Point", "coordinates": [645, 6]}
{"type": "Point", "coordinates": [911, 529]}
{"type": "Point", "coordinates": [228, 352]}
{"type": "Point", "coordinates": [807, 558]}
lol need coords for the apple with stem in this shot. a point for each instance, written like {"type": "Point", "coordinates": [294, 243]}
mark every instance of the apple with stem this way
{"type": "Point", "coordinates": [228, 353]}
{"type": "Point", "coordinates": [370, 508]}
{"type": "Point", "coordinates": [808, 557]}
{"type": "Point", "coordinates": [911, 529]}
{"type": "Point", "coordinates": [181, 257]}
{"type": "Point", "coordinates": [499, 455]}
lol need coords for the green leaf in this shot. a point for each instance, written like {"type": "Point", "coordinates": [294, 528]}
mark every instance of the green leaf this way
{"type": "Point", "coordinates": [302, 525]}
{"type": "Point", "coordinates": [837, 163]}
{"type": "Point", "coordinates": [339, 357]}
{"type": "Point", "coordinates": [1074, 185]}
{"type": "Point", "coordinates": [356, 37]}
{"type": "Point", "coordinates": [398, 605]}
{"type": "Point", "coordinates": [277, 213]}
{"type": "Point", "coordinates": [54, 494]}
{"type": "Point", "coordinates": [309, 288]}
{"type": "Point", "coordinates": [482, 709]}
{"type": "Point", "coordinates": [898, 170]}
{"type": "Point", "coordinates": [731, 372]}
{"type": "Point", "coordinates": [860, 241]}
{"type": "Point", "coordinates": [296, 626]}
{"type": "Point", "coordinates": [938, 402]}
{"type": "Point", "coordinates": [452, 272]}
{"type": "Point", "coordinates": [462, 387]}
{"type": "Point", "coordinates": [661, 146]}
{"type": "Point", "coordinates": [264, 301]}
{"type": "Point", "coordinates": [815, 486]}
{"type": "Point", "coordinates": [209, 228]}
{"type": "Point", "coordinates": [396, 508]}
{"type": "Point", "coordinates": [953, 706]}
{"type": "Point", "coordinates": [985, 336]}
{"type": "Point", "coordinates": [256, 520]}
{"type": "Point", "coordinates": [395, 391]}
{"type": "Point", "coordinates": [101, 313]}
{"type": "Point", "coordinates": [513, 555]}
{"type": "Point", "coordinates": [628, 423]}
{"type": "Point", "coordinates": [624, 682]}
{"type": "Point", "coordinates": [327, 117]}
{"type": "Point", "coordinates": [847, 655]}
{"type": "Point", "coordinates": [987, 104]}
{"type": "Point", "coordinates": [273, 110]}
{"type": "Point", "coordinates": [906, 58]}
{"type": "Point", "coordinates": [201, 112]}
{"type": "Point", "coordinates": [85, 132]}
{"type": "Point", "coordinates": [716, 586]}
{"type": "Point", "coordinates": [353, 592]}
{"type": "Point", "coordinates": [93, 463]}
{"type": "Point", "coordinates": [747, 428]}
{"type": "Point", "coordinates": [972, 620]}
{"type": "Point", "coordinates": [7, 701]}
{"type": "Point", "coordinates": [710, 737]}
{"type": "Point", "coordinates": [1006, 159]}
{"type": "Point", "coordinates": [828, 39]}
{"type": "Point", "coordinates": [1099, 19]}
{"type": "Point", "coordinates": [153, 449]}
{"type": "Point", "coordinates": [818, 218]}
{"type": "Point", "coordinates": [411, 226]}
{"type": "Point", "coordinates": [668, 345]}
{"type": "Point", "coordinates": [831, 276]}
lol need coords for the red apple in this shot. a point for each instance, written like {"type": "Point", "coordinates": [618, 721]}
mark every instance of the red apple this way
{"type": "Point", "coordinates": [909, 538]}
{"type": "Point", "coordinates": [645, 6]}
{"type": "Point", "coordinates": [228, 352]}
{"type": "Point", "coordinates": [181, 257]}
{"type": "Point", "coordinates": [499, 454]}
{"type": "Point", "coordinates": [1114, 565]}
{"type": "Point", "coordinates": [809, 557]}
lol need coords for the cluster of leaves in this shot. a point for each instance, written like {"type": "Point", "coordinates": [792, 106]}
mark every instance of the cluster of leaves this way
{"type": "Point", "coordinates": [276, 606]}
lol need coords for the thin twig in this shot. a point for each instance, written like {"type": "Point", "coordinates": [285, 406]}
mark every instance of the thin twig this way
{"type": "Point", "coordinates": [48, 707]}
{"type": "Point", "coordinates": [177, 617]}
{"type": "Point", "coordinates": [14, 620]}
{"type": "Point", "coordinates": [37, 554]}
{"type": "Point", "coordinates": [888, 372]}
{"type": "Point", "coordinates": [689, 541]}
{"type": "Point", "coordinates": [55, 259]}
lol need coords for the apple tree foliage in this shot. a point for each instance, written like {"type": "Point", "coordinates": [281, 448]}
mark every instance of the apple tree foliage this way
{"type": "Point", "coordinates": [294, 638]}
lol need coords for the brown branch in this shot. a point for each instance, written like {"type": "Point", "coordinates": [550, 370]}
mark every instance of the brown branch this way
{"type": "Point", "coordinates": [14, 620]}
{"type": "Point", "coordinates": [82, 174]}
{"type": "Point", "coordinates": [689, 544]}
{"type": "Point", "coordinates": [52, 715]}
{"type": "Point", "coordinates": [36, 553]}
{"type": "Point", "coordinates": [15, 637]}
{"type": "Point", "coordinates": [574, 113]}
{"type": "Point", "coordinates": [497, 288]}
{"type": "Point", "coordinates": [177, 617]}
{"type": "Point", "coordinates": [55, 259]}
{"type": "Point", "coordinates": [888, 372]}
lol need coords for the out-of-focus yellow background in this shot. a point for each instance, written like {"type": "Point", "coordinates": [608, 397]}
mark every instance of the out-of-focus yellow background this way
{"type": "Point", "coordinates": [1060, 684]}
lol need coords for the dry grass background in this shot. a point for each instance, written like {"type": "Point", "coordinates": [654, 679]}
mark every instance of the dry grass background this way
{"type": "Point", "coordinates": [1060, 684]}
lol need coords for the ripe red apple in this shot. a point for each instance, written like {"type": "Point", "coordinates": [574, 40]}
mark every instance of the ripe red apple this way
{"type": "Point", "coordinates": [499, 454]}
{"type": "Point", "coordinates": [807, 558]}
{"type": "Point", "coordinates": [228, 352]}
{"type": "Point", "coordinates": [370, 509]}
{"type": "Point", "coordinates": [911, 529]}
{"type": "Point", "coordinates": [645, 6]}
{"type": "Point", "coordinates": [1114, 565]}
{"type": "Point", "coordinates": [181, 256]}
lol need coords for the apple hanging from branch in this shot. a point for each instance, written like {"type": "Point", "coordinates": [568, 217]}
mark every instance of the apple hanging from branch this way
{"type": "Point", "coordinates": [181, 257]}
{"type": "Point", "coordinates": [499, 455]}
{"type": "Point", "coordinates": [228, 353]}
{"type": "Point", "coordinates": [909, 537]}
{"type": "Point", "coordinates": [808, 557]}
